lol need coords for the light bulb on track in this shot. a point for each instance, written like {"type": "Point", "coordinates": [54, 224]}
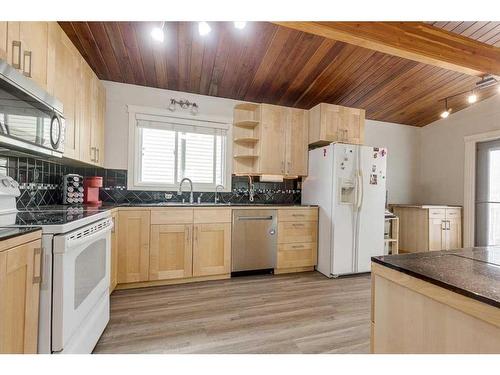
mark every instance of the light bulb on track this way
{"type": "Point", "coordinates": [204, 28]}
{"type": "Point", "coordinates": [472, 98]}
{"type": "Point", "coordinates": [240, 25]}
{"type": "Point", "coordinates": [445, 114]}
{"type": "Point", "coordinates": [158, 34]}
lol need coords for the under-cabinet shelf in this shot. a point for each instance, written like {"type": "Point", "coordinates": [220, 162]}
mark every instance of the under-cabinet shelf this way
{"type": "Point", "coordinates": [246, 140]}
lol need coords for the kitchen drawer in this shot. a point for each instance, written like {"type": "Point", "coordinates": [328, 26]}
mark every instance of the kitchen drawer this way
{"type": "Point", "coordinates": [212, 215]}
{"type": "Point", "coordinates": [301, 214]}
{"type": "Point", "coordinates": [297, 255]}
{"type": "Point", "coordinates": [172, 216]}
{"type": "Point", "coordinates": [437, 213]}
{"type": "Point", "coordinates": [453, 213]}
{"type": "Point", "coordinates": [295, 232]}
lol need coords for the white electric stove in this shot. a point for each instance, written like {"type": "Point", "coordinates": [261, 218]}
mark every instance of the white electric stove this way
{"type": "Point", "coordinates": [74, 292]}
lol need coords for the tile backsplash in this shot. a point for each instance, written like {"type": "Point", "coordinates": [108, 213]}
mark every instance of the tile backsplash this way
{"type": "Point", "coordinates": [40, 185]}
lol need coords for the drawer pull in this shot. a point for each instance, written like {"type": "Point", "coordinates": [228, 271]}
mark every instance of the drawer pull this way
{"type": "Point", "coordinates": [298, 215]}
{"type": "Point", "coordinates": [298, 225]}
{"type": "Point", "coordinates": [297, 246]}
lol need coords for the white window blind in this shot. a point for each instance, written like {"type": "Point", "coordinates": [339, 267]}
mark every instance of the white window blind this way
{"type": "Point", "coordinates": [170, 151]}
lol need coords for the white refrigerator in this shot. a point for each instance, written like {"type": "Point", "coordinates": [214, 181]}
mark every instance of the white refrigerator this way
{"type": "Point", "coordinates": [347, 182]}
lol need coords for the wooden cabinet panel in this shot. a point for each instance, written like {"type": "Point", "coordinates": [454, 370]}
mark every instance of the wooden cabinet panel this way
{"type": "Point", "coordinates": [437, 239]}
{"type": "Point", "coordinates": [172, 216]}
{"type": "Point", "coordinates": [171, 252]}
{"type": "Point", "coordinates": [332, 123]}
{"type": "Point", "coordinates": [19, 297]}
{"type": "Point", "coordinates": [454, 234]}
{"type": "Point", "coordinates": [296, 255]}
{"type": "Point", "coordinates": [211, 215]}
{"type": "Point", "coordinates": [212, 249]}
{"type": "Point", "coordinates": [64, 78]}
{"type": "Point", "coordinates": [84, 112]}
{"type": "Point", "coordinates": [3, 40]}
{"type": "Point", "coordinates": [296, 142]}
{"type": "Point", "coordinates": [272, 141]}
{"type": "Point", "coordinates": [299, 215]}
{"type": "Point", "coordinates": [293, 232]}
{"type": "Point", "coordinates": [114, 253]}
{"type": "Point", "coordinates": [437, 213]}
{"type": "Point", "coordinates": [27, 44]}
{"type": "Point", "coordinates": [133, 246]}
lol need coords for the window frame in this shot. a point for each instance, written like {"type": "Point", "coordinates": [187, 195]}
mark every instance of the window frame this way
{"type": "Point", "coordinates": [182, 118]}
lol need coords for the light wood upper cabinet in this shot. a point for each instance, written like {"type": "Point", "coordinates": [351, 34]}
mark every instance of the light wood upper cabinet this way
{"type": "Point", "coordinates": [19, 298]}
{"type": "Point", "coordinates": [133, 246]}
{"type": "Point", "coordinates": [64, 83]}
{"type": "Point", "coordinates": [3, 40]}
{"type": "Point", "coordinates": [27, 49]}
{"type": "Point", "coordinates": [85, 114]}
{"type": "Point", "coordinates": [212, 249]}
{"type": "Point", "coordinates": [333, 123]}
{"type": "Point", "coordinates": [296, 142]}
{"type": "Point", "coordinates": [272, 139]}
{"type": "Point", "coordinates": [171, 253]}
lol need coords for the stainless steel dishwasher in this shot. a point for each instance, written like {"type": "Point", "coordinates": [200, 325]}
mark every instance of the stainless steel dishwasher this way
{"type": "Point", "coordinates": [254, 240]}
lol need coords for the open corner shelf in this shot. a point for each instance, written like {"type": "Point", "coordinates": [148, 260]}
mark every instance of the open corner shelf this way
{"type": "Point", "coordinates": [246, 140]}
{"type": "Point", "coordinates": [249, 124]}
{"type": "Point", "coordinates": [247, 106]}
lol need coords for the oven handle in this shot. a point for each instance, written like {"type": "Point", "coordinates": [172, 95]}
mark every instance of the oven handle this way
{"type": "Point", "coordinates": [72, 243]}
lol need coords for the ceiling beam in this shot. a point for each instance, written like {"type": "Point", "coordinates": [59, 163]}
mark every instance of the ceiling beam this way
{"type": "Point", "coordinates": [415, 41]}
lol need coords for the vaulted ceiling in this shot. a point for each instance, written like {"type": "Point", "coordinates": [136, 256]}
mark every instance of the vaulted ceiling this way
{"type": "Point", "coordinates": [273, 64]}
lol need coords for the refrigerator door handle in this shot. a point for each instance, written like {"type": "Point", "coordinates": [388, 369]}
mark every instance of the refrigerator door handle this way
{"type": "Point", "coordinates": [359, 190]}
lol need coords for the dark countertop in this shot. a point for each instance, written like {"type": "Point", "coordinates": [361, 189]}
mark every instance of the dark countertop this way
{"type": "Point", "coordinates": [472, 272]}
{"type": "Point", "coordinates": [108, 206]}
{"type": "Point", "coordinates": [6, 233]}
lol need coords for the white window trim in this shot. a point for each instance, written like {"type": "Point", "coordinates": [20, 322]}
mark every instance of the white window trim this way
{"type": "Point", "coordinates": [181, 118]}
{"type": "Point", "coordinates": [470, 181]}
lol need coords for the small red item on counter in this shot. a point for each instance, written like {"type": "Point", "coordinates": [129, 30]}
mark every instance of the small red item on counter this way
{"type": "Point", "coordinates": [91, 187]}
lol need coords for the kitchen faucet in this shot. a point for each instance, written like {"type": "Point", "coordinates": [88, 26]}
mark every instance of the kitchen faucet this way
{"type": "Point", "coordinates": [179, 192]}
{"type": "Point", "coordinates": [251, 189]}
{"type": "Point", "coordinates": [215, 195]}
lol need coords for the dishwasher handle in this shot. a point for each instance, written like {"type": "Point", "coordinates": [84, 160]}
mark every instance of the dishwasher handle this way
{"type": "Point", "coordinates": [255, 218]}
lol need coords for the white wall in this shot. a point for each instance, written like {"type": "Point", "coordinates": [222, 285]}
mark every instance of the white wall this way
{"type": "Point", "coordinates": [442, 151]}
{"type": "Point", "coordinates": [402, 141]}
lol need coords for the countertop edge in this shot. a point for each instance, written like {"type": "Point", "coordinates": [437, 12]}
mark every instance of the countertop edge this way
{"type": "Point", "coordinates": [439, 283]}
{"type": "Point", "coordinates": [14, 235]}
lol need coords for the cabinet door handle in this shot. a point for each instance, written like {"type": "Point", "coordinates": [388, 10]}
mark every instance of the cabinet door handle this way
{"type": "Point", "coordinates": [93, 154]}
{"type": "Point", "coordinates": [27, 73]}
{"type": "Point", "coordinates": [448, 223]}
{"type": "Point", "coordinates": [282, 167]}
{"type": "Point", "coordinates": [16, 44]}
{"type": "Point", "coordinates": [98, 154]}
{"type": "Point", "coordinates": [37, 278]}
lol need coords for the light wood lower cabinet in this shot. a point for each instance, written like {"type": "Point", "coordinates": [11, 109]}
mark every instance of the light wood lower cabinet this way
{"type": "Point", "coordinates": [212, 249]}
{"type": "Point", "coordinates": [19, 297]}
{"type": "Point", "coordinates": [171, 253]}
{"type": "Point", "coordinates": [297, 240]}
{"type": "Point", "coordinates": [133, 246]}
{"type": "Point", "coordinates": [429, 228]}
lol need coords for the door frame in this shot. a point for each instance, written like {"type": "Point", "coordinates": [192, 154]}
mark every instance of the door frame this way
{"type": "Point", "coordinates": [470, 181]}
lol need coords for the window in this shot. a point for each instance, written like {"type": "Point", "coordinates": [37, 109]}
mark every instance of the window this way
{"type": "Point", "coordinates": [168, 149]}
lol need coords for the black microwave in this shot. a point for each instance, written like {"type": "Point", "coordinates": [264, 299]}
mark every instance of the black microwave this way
{"type": "Point", "coordinates": [31, 120]}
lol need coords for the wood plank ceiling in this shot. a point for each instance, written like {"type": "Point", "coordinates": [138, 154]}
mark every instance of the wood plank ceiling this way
{"type": "Point", "coordinates": [273, 64]}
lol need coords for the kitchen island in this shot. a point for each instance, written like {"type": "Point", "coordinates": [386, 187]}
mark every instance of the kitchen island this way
{"type": "Point", "coordinates": [436, 302]}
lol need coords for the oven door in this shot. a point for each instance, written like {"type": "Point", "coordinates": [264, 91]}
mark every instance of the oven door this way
{"type": "Point", "coordinates": [80, 297]}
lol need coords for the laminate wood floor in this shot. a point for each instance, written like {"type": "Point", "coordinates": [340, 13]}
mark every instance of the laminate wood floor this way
{"type": "Point", "coordinates": [296, 313]}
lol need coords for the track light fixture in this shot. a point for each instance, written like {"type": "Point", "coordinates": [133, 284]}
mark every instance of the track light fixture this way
{"type": "Point", "coordinates": [447, 110]}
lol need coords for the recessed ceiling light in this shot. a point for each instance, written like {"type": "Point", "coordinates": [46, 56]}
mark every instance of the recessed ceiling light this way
{"type": "Point", "coordinates": [240, 24]}
{"type": "Point", "coordinates": [204, 28]}
{"type": "Point", "coordinates": [472, 98]}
